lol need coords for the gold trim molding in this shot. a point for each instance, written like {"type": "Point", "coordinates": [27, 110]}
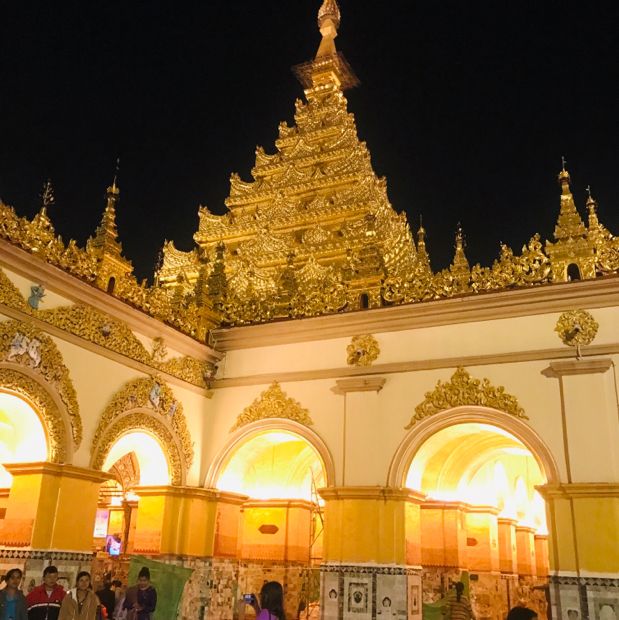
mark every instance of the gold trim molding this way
{"type": "Point", "coordinates": [462, 390]}
{"type": "Point", "coordinates": [146, 404]}
{"type": "Point", "coordinates": [23, 345]}
{"type": "Point", "coordinates": [579, 490]}
{"type": "Point", "coordinates": [273, 403]}
{"type": "Point", "coordinates": [97, 327]}
{"type": "Point", "coordinates": [401, 494]}
{"type": "Point", "coordinates": [58, 470]}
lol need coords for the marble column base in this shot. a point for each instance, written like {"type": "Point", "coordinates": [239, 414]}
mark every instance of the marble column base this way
{"type": "Point", "coordinates": [584, 598]}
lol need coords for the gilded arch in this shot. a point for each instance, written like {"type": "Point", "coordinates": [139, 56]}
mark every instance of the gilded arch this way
{"type": "Point", "coordinates": [32, 367]}
{"type": "Point", "coordinates": [146, 404]}
{"type": "Point", "coordinates": [429, 426]}
{"type": "Point", "coordinates": [246, 432]}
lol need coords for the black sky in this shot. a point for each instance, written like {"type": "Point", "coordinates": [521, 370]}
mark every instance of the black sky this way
{"type": "Point", "coordinates": [466, 108]}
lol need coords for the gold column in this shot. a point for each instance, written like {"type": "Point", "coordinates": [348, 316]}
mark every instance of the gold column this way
{"type": "Point", "coordinates": [372, 525]}
{"type": "Point", "coordinates": [276, 530]}
{"type": "Point", "coordinates": [583, 509]}
{"type": "Point", "coordinates": [51, 506]}
{"type": "Point", "coordinates": [482, 538]}
{"type": "Point", "coordinates": [179, 520]}
{"type": "Point", "coordinates": [508, 558]}
{"type": "Point", "coordinates": [443, 534]}
{"type": "Point", "coordinates": [525, 546]}
{"type": "Point", "coordinates": [541, 554]}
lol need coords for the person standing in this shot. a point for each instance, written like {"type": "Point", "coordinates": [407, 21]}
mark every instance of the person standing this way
{"type": "Point", "coordinates": [459, 605]}
{"type": "Point", "coordinates": [80, 603]}
{"type": "Point", "coordinates": [107, 597]}
{"type": "Point", "coordinates": [141, 599]}
{"type": "Point", "coordinates": [12, 599]}
{"type": "Point", "coordinates": [44, 601]}
{"type": "Point", "coordinates": [271, 605]}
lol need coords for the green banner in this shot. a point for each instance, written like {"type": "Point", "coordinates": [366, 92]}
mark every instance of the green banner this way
{"type": "Point", "coordinates": [168, 580]}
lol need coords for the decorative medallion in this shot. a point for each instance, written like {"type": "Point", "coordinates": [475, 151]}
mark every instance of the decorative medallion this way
{"type": "Point", "coordinates": [463, 390]}
{"type": "Point", "coordinates": [273, 403]}
{"type": "Point", "coordinates": [148, 404]}
{"type": "Point", "coordinates": [25, 345]}
{"type": "Point", "coordinates": [576, 328]}
{"type": "Point", "coordinates": [362, 350]}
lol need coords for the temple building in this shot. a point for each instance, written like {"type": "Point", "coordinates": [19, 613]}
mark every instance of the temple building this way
{"type": "Point", "coordinates": [303, 398]}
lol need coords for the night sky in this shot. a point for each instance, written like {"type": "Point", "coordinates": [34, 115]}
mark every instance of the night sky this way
{"type": "Point", "coordinates": [466, 108]}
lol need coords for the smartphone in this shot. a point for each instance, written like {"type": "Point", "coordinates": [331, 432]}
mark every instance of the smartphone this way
{"type": "Point", "coordinates": [250, 599]}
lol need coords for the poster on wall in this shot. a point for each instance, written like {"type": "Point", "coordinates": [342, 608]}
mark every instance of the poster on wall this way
{"type": "Point", "coordinates": [101, 521]}
{"type": "Point", "coordinates": [358, 597]}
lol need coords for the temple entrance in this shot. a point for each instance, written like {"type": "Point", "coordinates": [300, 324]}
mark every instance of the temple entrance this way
{"type": "Point", "coordinates": [22, 440]}
{"type": "Point", "coordinates": [483, 520]}
{"type": "Point", "coordinates": [281, 521]}
{"type": "Point", "coordinates": [135, 460]}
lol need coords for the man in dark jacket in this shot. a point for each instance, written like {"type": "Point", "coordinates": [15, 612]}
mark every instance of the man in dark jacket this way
{"type": "Point", "coordinates": [12, 600]}
{"type": "Point", "coordinates": [44, 600]}
{"type": "Point", "coordinates": [107, 598]}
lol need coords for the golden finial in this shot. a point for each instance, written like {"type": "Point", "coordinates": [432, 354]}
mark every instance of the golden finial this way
{"type": "Point", "coordinates": [564, 176]}
{"type": "Point", "coordinates": [47, 196]}
{"type": "Point", "coordinates": [329, 15]}
{"type": "Point", "coordinates": [113, 189]}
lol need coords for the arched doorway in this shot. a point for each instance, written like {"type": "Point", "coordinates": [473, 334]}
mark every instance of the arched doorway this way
{"type": "Point", "coordinates": [483, 518]}
{"type": "Point", "coordinates": [22, 439]}
{"type": "Point", "coordinates": [136, 459]}
{"type": "Point", "coordinates": [279, 469]}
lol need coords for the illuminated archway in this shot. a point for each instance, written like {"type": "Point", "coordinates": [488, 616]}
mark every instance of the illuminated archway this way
{"type": "Point", "coordinates": [427, 428]}
{"type": "Point", "coordinates": [480, 465]}
{"type": "Point", "coordinates": [273, 459]}
{"type": "Point", "coordinates": [22, 435]}
{"type": "Point", "coordinates": [152, 462]}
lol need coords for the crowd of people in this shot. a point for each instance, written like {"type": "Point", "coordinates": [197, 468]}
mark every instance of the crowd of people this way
{"type": "Point", "coordinates": [50, 601]}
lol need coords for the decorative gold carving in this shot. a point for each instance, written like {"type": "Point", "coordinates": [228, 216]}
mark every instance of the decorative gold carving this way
{"type": "Point", "coordinates": [51, 417]}
{"type": "Point", "coordinates": [10, 294]}
{"type": "Point", "coordinates": [102, 329]}
{"type": "Point", "coordinates": [273, 403]}
{"type": "Point", "coordinates": [462, 390]}
{"type": "Point", "coordinates": [363, 350]}
{"type": "Point", "coordinates": [312, 233]}
{"type": "Point", "coordinates": [159, 412]}
{"type": "Point", "coordinates": [577, 328]}
{"type": "Point", "coordinates": [23, 344]}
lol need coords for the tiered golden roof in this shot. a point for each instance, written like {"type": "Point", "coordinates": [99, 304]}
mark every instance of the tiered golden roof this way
{"type": "Point", "coordinates": [312, 233]}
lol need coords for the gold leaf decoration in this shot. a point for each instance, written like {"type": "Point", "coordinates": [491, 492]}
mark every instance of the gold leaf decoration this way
{"type": "Point", "coordinates": [362, 350]}
{"type": "Point", "coordinates": [25, 345]}
{"type": "Point", "coordinates": [461, 390]}
{"type": "Point", "coordinates": [10, 294]}
{"type": "Point", "coordinates": [146, 403]}
{"type": "Point", "coordinates": [15, 382]}
{"type": "Point", "coordinates": [273, 403]}
{"type": "Point", "coordinates": [576, 328]}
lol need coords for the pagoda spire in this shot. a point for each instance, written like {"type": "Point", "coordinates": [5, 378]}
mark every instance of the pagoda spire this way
{"type": "Point", "coordinates": [112, 265]}
{"type": "Point", "coordinates": [422, 251]}
{"type": "Point", "coordinates": [569, 222]}
{"type": "Point", "coordinates": [329, 66]}
{"type": "Point", "coordinates": [329, 18]}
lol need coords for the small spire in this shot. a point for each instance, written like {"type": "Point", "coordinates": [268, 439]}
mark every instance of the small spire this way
{"type": "Point", "coordinates": [564, 177]}
{"type": "Point", "coordinates": [47, 196]}
{"type": "Point", "coordinates": [113, 189]}
{"type": "Point", "coordinates": [329, 18]}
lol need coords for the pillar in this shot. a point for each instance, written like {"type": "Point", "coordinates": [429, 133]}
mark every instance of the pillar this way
{"type": "Point", "coordinates": [372, 552]}
{"type": "Point", "coordinates": [541, 555]}
{"type": "Point", "coordinates": [508, 558]}
{"type": "Point", "coordinates": [525, 548]}
{"type": "Point", "coordinates": [181, 521]}
{"type": "Point", "coordinates": [443, 534]}
{"type": "Point", "coordinates": [583, 507]}
{"type": "Point", "coordinates": [482, 536]}
{"type": "Point", "coordinates": [51, 506]}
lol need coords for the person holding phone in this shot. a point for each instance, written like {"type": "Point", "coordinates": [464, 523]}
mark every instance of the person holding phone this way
{"type": "Point", "coordinates": [271, 605]}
